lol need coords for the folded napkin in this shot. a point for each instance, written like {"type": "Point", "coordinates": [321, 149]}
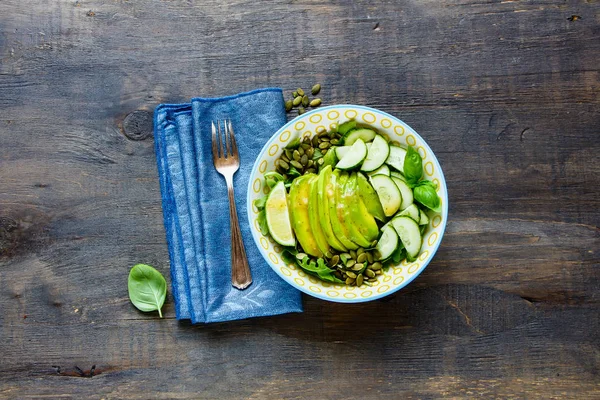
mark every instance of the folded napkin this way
{"type": "Point", "coordinates": [196, 210]}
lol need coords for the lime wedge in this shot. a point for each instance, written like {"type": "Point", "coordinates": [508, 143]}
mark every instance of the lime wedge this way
{"type": "Point", "coordinates": [278, 216]}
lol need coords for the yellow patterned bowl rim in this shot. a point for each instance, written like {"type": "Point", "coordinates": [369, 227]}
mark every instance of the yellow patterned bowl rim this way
{"type": "Point", "coordinates": [308, 124]}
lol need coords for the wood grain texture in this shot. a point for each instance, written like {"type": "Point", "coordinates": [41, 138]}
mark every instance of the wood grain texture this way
{"type": "Point", "coordinates": [507, 94]}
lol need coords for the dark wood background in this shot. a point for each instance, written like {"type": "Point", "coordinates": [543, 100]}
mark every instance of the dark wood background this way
{"type": "Point", "coordinates": [507, 94]}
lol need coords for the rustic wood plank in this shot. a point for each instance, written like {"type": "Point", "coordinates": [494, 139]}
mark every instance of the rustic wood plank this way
{"type": "Point", "coordinates": [506, 93]}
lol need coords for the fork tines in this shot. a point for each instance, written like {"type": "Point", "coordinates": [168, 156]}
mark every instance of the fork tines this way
{"type": "Point", "coordinates": [223, 140]}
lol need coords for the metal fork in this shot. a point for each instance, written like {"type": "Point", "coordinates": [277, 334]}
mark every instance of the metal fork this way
{"type": "Point", "coordinates": [227, 161]}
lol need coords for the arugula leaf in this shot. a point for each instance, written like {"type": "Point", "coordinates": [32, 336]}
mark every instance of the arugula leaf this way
{"type": "Point", "coordinates": [147, 288]}
{"type": "Point", "coordinates": [260, 203]}
{"type": "Point", "coordinates": [262, 222]}
{"type": "Point", "coordinates": [293, 172]}
{"type": "Point", "coordinates": [346, 127]}
{"type": "Point", "coordinates": [413, 166]}
{"type": "Point", "coordinates": [317, 154]}
{"type": "Point", "coordinates": [425, 193]}
{"type": "Point", "coordinates": [319, 269]}
{"type": "Point", "coordinates": [294, 144]}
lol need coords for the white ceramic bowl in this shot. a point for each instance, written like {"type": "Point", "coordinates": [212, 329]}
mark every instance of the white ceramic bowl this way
{"type": "Point", "coordinates": [308, 124]}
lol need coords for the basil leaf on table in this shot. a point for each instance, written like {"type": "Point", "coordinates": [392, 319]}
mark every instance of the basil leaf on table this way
{"type": "Point", "coordinates": [425, 193]}
{"type": "Point", "coordinates": [413, 166]}
{"type": "Point", "coordinates": [147, 288]}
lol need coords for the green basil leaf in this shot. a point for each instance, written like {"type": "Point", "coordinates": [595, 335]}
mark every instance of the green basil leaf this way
{"type": "Point", "coordinates": [413, 166]}
{"type": "Point", "coordinates": [147, 288]}
{"type": "Point", "coordinates": [260, 203]}
{"type": "Point", "coordinates": [262, 222]}
{"type": "Point", "coordinates": [426, 195]}
{"type": "Point", "coordinates": [293, 172]}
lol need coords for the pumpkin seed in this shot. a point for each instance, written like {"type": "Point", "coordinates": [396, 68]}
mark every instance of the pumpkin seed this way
{"type": "Point", "coordinates": [305, 144]}
{"type": "Point", "coordinates": [301, 110]}
{"type": "Point", "coordinates": [316, 89]}
{"type": "Point", "coordinates": [305, 101]}
{"type": "Point", "coordinates": [296, 155]}
{"type": "Point", "coordinates": [370, 258]}
{"type": "Point", "coordinates": [283, 164]}
{"type": "Point", "coordinates": [301, 256]}
{"type": "Point", "coordinates": [358, 267]}
{"type": "Point", "coordinates": [335, 141]}
{"type": "Point", "coordinates": [315, 141]}
{"type": "Point", "coordinates": [320, 161]}
{"type": "Point", "coordinates": [324, 139]}
{"type": "Point", "coordinates": [285, 158]}
{"type": "Point", "coordinates": [315, 103]}
{"type": "Point", "coordinates": [301, 150]}
{"type": "Point", "coordinates": [359, 280]}
{"type": "Point", "coordinates": [309, 152]}
{"type": "Point", "coordinates": [331, 135]}
{"type": "Point", "coordinates": [328, 254]}
{"type": "Point", "coordinates": [334, 260]}
{"type": "Point", "coordinates": [374, 243]}
{"type": "Point", "coordinates": [368, 283]}
{"type": "Point", "coordinates": [338, 274]}
{"type": "Point", "coordinates": [350, 263]}
{"type": "Point", "coordinates": [378, 272]}
{"type": "Point", "coordinates": [311, 171]}
{"type": "Point", "coordinates": [304, 160]}
{"type": "Point", "coordinates": [353, 254]}
{"type": "Point", "coordinates": [324, 145]}
{"type": "Point", "coordinates": [376, 254]}
{"type": "Point", "coordinates": [288, 105]}
{"type": "Point", "coordinates": [300, 92]}
{"type": "Point", "coordinates": [289, 153]}
{"type": "Point", "coordinates": [296, 165]}
{"type": "Point", "coordinates": [322, 133]}
{"type": "Point", "coordinates": [349, 281]}
{"type": "Point", "coordinates": [297, 100]}
{"type": "Point", "coordinates": [370, 273]}
{"type": "Point", "coordinates": [344, 257]}
{"type": "Point", "coordinates": [294, 94]}
{"type": "Point", "coordinates": [324, 151]}
{"type": "Point", "coordinates": [361, 258]}
{"type": "Point", "coordinates": [310, 163]}
{"type": "Point", "coordinates": [376, 266]}
{"type": "Point", "coordinates": [351, 274]}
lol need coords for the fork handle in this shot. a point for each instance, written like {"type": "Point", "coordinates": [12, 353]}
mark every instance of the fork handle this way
{"type": "Point", "coordinates": [240, 271]}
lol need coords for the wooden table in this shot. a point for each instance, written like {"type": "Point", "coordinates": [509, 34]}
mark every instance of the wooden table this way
{"type": "Point", "coordinates": [506, 94]}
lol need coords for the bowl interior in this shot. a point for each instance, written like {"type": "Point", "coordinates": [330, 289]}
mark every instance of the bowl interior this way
{"type": "Point", "coordinates": [309, 124]}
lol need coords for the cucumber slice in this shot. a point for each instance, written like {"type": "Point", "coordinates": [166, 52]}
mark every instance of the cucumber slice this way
{"type": "Point", "coordinates": [423, 218]}
{"type": "Point", "coordinates": [340, 151]}
{"type": "Point", "coordinates": [383, 170]}
{"type": "Point", "coordinates": [411, 211]}
{"type": "Point", "coordinates": [388, 192]}
{"type": "Point", "coordinates": [362, 133]}
{"type": "Point", "coordinates": [397, 175]}
{"type": "Point", "coordinates": [396, 158]}
{"type": "Point", "coordinates": [387, 243]}
{"type": "Point", "coordinates": [355, 155]}
{"type": "Point", "coordinates": [410, 235]}
{"type": "Point", "coordinates": [376, 155]}
{"type": "Point", "coordinates": [406, 191]}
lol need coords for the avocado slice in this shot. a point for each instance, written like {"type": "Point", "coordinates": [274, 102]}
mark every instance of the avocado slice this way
{"type": "Point", "coordinates": [298, 200]}
{"type": "Point", "coordinates": [360, 217]}
{"type": "Point", "coordinates": [313, 216]}
{"type": "Point", "coordinates": [370, 198]}
{"type": "Point", "coordinates": [337, 181]}
{"type": "Point", "coordinates": [348, 201]}
{"type": "Point", "coordinates": [323, 187]}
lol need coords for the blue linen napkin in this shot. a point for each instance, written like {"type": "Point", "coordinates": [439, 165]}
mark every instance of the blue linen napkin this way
{"type": "Point", "coordinates": [196, 210]}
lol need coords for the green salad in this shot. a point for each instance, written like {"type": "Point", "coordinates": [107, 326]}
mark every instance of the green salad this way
{"type": "Point", "coordinates": [346, 204]}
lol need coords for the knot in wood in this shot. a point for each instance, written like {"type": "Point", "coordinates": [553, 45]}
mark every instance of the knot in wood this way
{"type": "Point", "coordinates": [138, 125]}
